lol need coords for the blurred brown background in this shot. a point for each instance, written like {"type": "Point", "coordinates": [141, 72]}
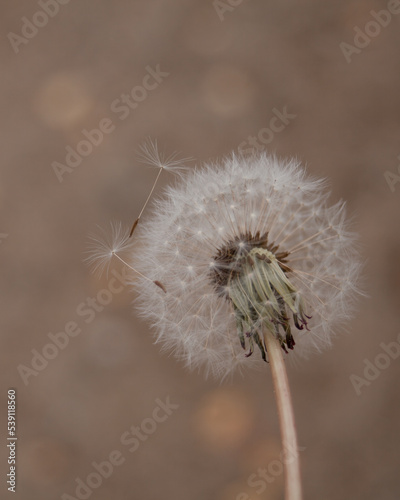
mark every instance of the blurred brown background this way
{"type": "Point", "coordinates": [229, 65]}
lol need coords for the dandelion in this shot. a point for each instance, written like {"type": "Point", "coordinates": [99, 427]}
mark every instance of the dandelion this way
{"type": "Point", "coordinates": [243, 248]}
{"type": "Point", "coordinates": [254, 265]}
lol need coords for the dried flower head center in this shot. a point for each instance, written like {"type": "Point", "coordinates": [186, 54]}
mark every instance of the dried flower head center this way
{"type": "Point", "coordinates": [252, 274]}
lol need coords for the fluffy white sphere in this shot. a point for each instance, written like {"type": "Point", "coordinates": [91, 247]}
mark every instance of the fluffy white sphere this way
{"type": "Point", "coordinates": [203, 242]}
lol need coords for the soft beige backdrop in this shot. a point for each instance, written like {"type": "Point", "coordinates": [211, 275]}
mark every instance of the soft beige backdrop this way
{"type": "Point", "coordinates": [226, 77]}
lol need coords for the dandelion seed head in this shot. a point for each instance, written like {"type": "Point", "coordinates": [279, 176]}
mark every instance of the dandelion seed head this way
{"type": "Point", "coordinates": [255, 245]}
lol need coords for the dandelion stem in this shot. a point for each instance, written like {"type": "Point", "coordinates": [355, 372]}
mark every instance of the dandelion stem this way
{"type": "Point", "coordinates": [286, 418]}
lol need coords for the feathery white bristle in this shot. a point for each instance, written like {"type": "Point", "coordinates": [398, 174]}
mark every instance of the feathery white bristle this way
{"type": "Point", "coordinates": [151, 156]}
{"type": "Point", "coordinates": [105, 244]}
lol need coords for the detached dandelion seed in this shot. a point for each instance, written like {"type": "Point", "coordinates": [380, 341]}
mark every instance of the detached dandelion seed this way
{"type": "Point", "coordinates": [150, 155]}
{"type": "Point", "coordinates": [257, 267]}
{"type": "Point", "coordinates": [105, 247]}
